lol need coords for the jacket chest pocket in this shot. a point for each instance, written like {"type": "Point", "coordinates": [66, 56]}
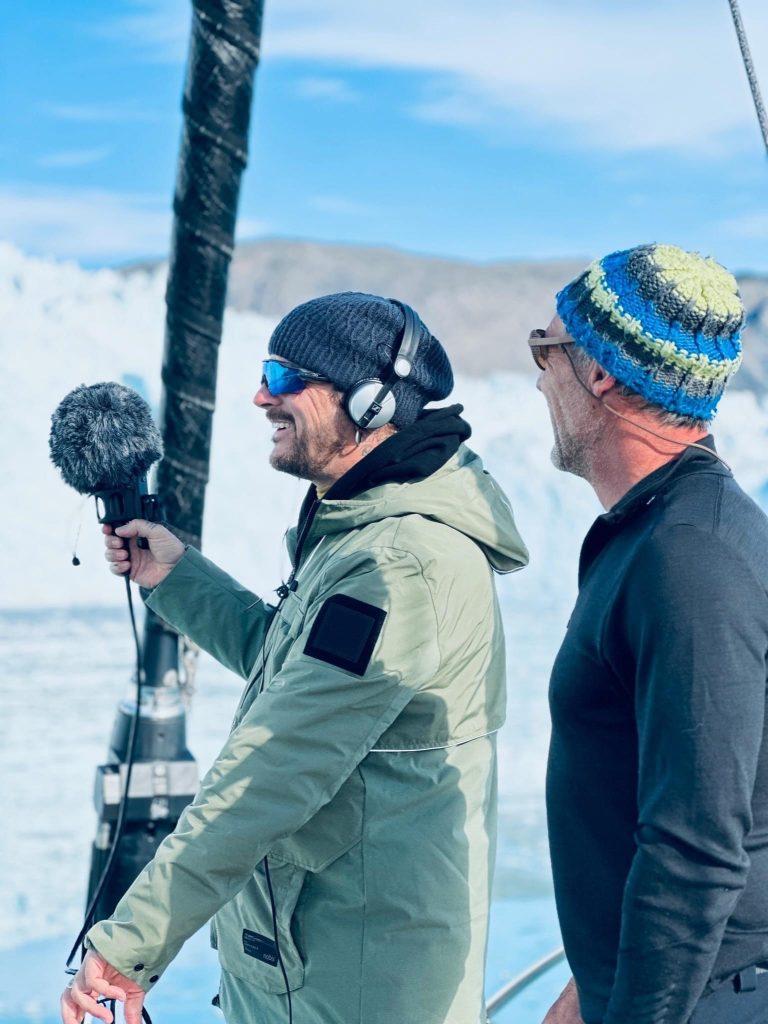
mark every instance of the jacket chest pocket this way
{"type": "Point", "coordinates": [286, 626]}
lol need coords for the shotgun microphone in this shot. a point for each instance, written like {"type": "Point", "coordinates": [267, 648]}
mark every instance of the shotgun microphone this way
{"type": "Point", "coordinates": [103, 441]}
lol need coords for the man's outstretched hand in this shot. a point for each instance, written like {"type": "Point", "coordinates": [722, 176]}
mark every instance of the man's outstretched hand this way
{"type": "Point", "coordinates": [96, 980]}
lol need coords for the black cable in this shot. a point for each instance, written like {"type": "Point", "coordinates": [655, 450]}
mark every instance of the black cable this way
{"type": "Point", "coordinates": [272, 903]}
{"type": "Point", "coordinates": [121, 814]}
{"type": "Point", "coordinates": [282, 593]}
{"type": "Point", "coordinates": [641, 426]}
{"type": "Point", "coordinates": [111, 1005]}
{"type": "Point", "coordinates": [277, 940]}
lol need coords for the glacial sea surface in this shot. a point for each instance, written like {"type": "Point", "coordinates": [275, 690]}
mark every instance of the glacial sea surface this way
{"type": "Point", "coordinates": [64, 672]}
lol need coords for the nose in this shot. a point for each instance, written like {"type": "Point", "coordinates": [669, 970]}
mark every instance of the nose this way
{"type": "Point", "coordinates": [264, 398]}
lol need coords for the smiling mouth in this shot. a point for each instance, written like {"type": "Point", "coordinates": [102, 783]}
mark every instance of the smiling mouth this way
{"type": "Point", "coordinates": [280, 427]}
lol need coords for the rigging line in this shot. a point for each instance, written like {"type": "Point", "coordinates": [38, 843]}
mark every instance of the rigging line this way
{"type": "Point", "coordinates": [749, 67]}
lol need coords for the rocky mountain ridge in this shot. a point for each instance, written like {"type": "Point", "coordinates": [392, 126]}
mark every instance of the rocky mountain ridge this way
{"type": "Point", "coordinates": [482, 312]}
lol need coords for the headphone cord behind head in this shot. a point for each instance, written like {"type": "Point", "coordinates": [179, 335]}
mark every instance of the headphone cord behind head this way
{"type": "Point", "coordinates": [641, 426]}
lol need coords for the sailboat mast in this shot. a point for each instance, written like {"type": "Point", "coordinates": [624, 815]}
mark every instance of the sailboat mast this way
{"type": "Point", "coordinates": [224, 52]}
{"type": "Point", "coordinates": [223, 55]}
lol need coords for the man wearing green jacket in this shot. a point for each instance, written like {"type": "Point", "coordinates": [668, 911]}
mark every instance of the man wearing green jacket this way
{"type": "Point", "coordinates": [343, 841]}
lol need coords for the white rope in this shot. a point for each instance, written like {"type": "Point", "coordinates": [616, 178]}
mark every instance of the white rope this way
{"type": "Point", "coordinates": [749, 67]}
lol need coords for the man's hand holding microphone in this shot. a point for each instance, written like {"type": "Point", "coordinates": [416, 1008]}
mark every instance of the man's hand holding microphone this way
{"type": "Point", "coordinates": [147, 566]}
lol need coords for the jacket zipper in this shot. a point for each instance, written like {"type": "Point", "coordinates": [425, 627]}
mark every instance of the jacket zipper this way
{"type": "Point", "coordinates": [282, 592]}
{"type": "Point", "coordinates": [286, 588]}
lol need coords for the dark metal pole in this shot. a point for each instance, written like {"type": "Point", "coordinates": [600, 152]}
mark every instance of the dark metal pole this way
{"type": "Point", "coordinates": [218, 91]}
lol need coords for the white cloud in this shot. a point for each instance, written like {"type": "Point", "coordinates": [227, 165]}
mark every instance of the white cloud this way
{"type": "Point", "coordinates": [86, 224]}
{"type": "Point", "coordinates": [340, 205]}
{"type": "Point", "coordinates": [159, 28]}
{"type": "Point", "coordinates": [335, 90]}
{"type": "Point", "coordinates": [75, 157]}
{"type": "Point", "coordinates": [92, 224]}
{"type": "Point", "coordinates": [621, 76]}
{"type": "Point", "coordinates": [248, 228]}
{"type": "Point", "coordinates": [97, 113]}
{"type": "Point", "coordinates": [458, 108]}
{"type": "Point", "coordinates": [747, 225]}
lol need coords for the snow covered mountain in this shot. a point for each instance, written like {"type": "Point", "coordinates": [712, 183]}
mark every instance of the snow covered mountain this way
{"type": "Point", "coordinates": [62, 326]}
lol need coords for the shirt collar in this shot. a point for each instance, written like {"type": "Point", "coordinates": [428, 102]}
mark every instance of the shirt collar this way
{"type": "Point", "coordinates": [690, 460]}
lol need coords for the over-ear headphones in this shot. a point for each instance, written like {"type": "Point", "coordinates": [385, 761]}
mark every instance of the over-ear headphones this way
{"type": "Point", "coordinates": [371, 403]}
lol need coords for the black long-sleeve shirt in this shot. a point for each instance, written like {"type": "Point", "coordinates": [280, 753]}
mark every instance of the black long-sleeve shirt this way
{"type": "Point", "coordinates": [657, 783]}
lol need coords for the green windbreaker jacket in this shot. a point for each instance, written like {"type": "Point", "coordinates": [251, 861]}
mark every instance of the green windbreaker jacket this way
{"type": "Point", "coordinates": [361, 763]}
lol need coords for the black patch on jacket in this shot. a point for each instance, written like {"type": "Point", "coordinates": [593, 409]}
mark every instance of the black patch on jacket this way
{"type": "Point", "coordinates": [260, 947]}
{"type": "Point", "coordinates": [345, 633]}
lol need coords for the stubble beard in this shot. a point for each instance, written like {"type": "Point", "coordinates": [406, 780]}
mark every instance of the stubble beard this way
{"type": "Point", "coordinates": [307, 457]}
{"type": "Point", "coordinates": [573, 453]}
{"type": "Point", "coordinates": [568, 455]}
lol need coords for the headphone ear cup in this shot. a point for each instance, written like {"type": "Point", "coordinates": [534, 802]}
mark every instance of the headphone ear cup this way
{"type": "Point", "coordinates": [360, 399]}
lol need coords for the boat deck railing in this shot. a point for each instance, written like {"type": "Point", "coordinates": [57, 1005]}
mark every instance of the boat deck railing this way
{"type": "Point", "coordinates": [517, 985]}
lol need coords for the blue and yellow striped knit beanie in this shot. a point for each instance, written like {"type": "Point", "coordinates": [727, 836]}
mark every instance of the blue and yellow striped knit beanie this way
{"type": "Point", "coordinates": [663, 321]}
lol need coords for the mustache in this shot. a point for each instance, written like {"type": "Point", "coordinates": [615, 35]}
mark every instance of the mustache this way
{"type": "Point", "coordinates": [276, 418]}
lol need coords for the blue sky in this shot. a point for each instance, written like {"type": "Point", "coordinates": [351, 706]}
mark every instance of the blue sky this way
{"type": "Point", "coordinates": [497, 129]}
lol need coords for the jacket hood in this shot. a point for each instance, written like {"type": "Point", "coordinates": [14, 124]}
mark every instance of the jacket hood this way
{"type": "Point", "coordinates": [460, 493]}
{"type": "Point", "coordinates": [412, 454]}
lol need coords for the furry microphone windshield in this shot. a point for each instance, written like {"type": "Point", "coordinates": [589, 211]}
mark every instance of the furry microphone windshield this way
{"type": "Point", "coordinates": [103, 438]}
{"type": "Point", "coordinates": [104, 441]}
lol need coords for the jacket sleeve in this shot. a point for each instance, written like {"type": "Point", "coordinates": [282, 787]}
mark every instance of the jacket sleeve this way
{"type": "Point", "coordinates": [215, 611]}
{"type": "Point", "coordinates": [696, 623]}
{"type": "Point", "coordinates": [298, 742]}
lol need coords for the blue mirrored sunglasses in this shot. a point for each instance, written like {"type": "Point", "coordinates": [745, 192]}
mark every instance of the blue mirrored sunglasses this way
{"type": "Point", "coordinates": [280, 379]}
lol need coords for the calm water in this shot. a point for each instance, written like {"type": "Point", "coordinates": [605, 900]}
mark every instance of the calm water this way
{"type": "Point", "coordinates": [63, 675]}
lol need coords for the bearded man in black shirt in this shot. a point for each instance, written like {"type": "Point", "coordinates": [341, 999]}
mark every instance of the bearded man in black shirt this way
{"type": "Point", "coordinates": [657, 782]}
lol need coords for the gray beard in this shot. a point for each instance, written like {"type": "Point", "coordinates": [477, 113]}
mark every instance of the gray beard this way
{"type": "Point", "coordinates": [571, 455]}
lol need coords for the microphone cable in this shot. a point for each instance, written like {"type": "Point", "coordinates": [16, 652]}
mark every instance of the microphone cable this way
{"type": "Point", "coordinates": [123, 808]}
{"type": "Point", "coordinates": [282, 592]}
{"type": "Point", "coordinates": [277, 939]}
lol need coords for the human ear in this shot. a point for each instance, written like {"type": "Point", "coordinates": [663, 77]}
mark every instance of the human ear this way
{"type": "Point", "coordinates": [600, 381]}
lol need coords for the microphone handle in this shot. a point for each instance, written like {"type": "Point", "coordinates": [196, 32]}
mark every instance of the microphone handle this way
{"type": "Point", "coordinates": [118, 506]}
{"type": "Point", "coordinates": [141, 542]}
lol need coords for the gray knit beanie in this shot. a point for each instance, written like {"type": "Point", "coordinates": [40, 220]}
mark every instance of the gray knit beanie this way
{"type": "Point", "coordinates": [351, 336]}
